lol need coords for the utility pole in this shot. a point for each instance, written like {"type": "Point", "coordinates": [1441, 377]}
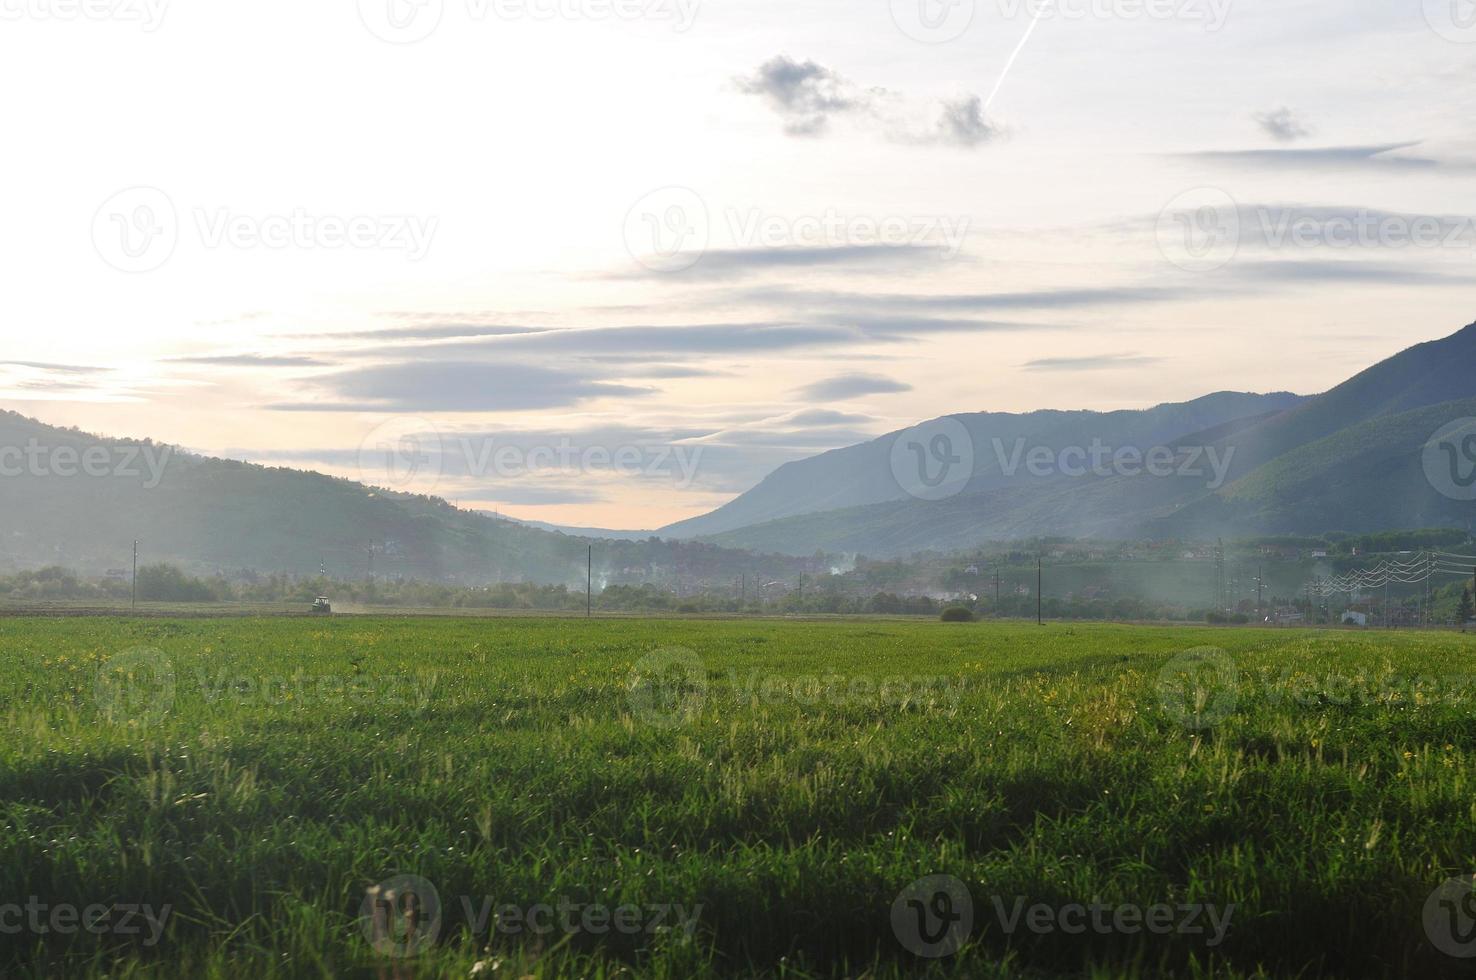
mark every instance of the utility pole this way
{"type": "Point", "coordinates": [589, 571]}
{"type": "Point", "coordinates": [1260, 592]}
{"type": "Point", "coordinates": [742, 591]}
{"type": "Point", "coordinates": [1039, 581]}
{"type": "Point", "coordinates": [1220, 574]}
{"type": "Point", "coordinates": [134, 606]}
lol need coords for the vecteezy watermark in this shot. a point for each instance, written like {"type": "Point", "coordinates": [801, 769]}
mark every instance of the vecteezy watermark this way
{"type": "Point", "coordinates": [402, 452]}
{"type": "Point", "coordinates": [670, 230]}
{"type": "Point", "coordinates": [409, 452]}
{"type": "Point", "coordinates": [136, 230]}
{"type": "Point", "coordinates": [1361, 228]}
{"type": "Point", "coordinates": [139, 230]}
{"type": "Point", "coordinates": [136, 687]}
{"type": "Point", "coordinates": [1200, 688]}
{"type": "Point", "coordinates": [410, 21]}
{"type": "Point", "coordinates": [1449, 460]}
{"type": "Point", "coordinates": [484, 916]}
{"type": "Point", "coordinates": [146, 463]}
{"type": "Point", "coordinates": [1450, 917]}
{"type": "Point", "coordinates": [1204, 229]}
{"type": "Point", "coordinates": [840, 691]}
{"type": "Point", "coordinates": [1386, 688]}
{"type": "Point", "coordinates": [933, 461]}
{"type": "Point", "coordinates": [1212, 15]}
{"type": "Point", "coordinates": [1116, 919]}
{"type": "Point", "coordinates": [831, 229]}
{"type": "Point", "coordinates": [941, 21]}
{"type": "Point", "coordinates": [39, 918]}
{"type": "Point", "coordinates": [401, 916]}
{"type": "Point", "coordinates": [148, 14]}
{"type": "Point", "coordinates": [933, 21]}
{"type": "Point", "coordinates": [1199, 230]}
{"type": "Point", "coordinates": [1100, 459]}
{"type": "Point", "coordinates": [933, 916]}
{"type": "Point", "coordinates": [404, 916]}
{"type": "Point", "coordinates": [223, 686]}
{"type": "Point", "coordinates": [1454, 20]}
{"type": "Point", "coordinates": [668, 687]}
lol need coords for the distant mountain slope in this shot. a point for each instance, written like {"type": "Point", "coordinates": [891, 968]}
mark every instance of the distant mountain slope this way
{"type": "Point", "coordinates": [215, 515]}
{"type": "Point", "coordinates": [862, 474]}
{"type": "Point", "coordinates": [1349, 459]}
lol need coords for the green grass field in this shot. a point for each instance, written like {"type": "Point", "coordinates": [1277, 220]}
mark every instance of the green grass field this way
{"type": "Point", "coordinates": [695, 798]}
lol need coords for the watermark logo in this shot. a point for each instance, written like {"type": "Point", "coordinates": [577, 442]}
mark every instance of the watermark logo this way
{"type": "Point", "coordinates": [1454, 20]}
{"type": "Point", "coordinates": [139, 229]}
{"type": "Point", "coordinates": [401, 916]}
{"type": "Point", "coordinates": [39, 918]}
{"type": "Point", "coordinates": [136, 687]}
{"type": "Point", "coordinates": [1209, 463]}
{"type": "Point", "coordinates": [402, 21]}
{"type": "Point", "coordinates": [1200, 688]}
{"type": "Point", "coordinates": [409, 21]}
{"type": "Point", "coordinates": [933, 461]}
{"type": "Point", "coordinates": [1212, 14]}
{"type": "Point", "coordinates": [668, 230]}
{"type": "Point", "coordinates": [1079, 918]}
{"type": "Point", "coordinates": [1450, 917]}
{"type": "Point", "coordinates": [147, 13]}
{"type": "Point", "coordinates": [668, 687]}
{"type": "Point", "coordinates": [402, 452]}
{"type": "Point", "coordinates": [136, 230]}
{"type": "Point", "coordinates": [146, 463]}
{"type": "Point", "coordinates": [1449, 459]}
{"type": "Point", "coordinates": [933, 21]}
{"type": "Point", "coordinates": [1199, 231]}
{"type": "Point", "coordinates": [933, 916]}
{"type": "Point", "coordinates": [832, 229]}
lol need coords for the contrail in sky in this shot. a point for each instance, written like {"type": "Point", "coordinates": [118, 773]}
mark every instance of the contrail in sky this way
{"type": "Point", "coordinates": [1039, 13]}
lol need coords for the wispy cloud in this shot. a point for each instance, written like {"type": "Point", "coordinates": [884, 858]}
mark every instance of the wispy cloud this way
{"type": "Point", "coordinates": [456, 386]}
{"type": "Point", "coordinates": [250, 360]}
{"type": "Point", "coordinates": [1098, 362]}
{"type": "Point", "coordinates": [1384, 156]}
{"type": "Point", "coordinates": [845, 386]}
{"type": "Point", "coordinates": [808, 97]}
{"type": "Point", "coordinates": [738, 263]}
{"type": "Point", "coordinates": [1283, 125]}
{"type": "Point", "coordinates": [56, 368]}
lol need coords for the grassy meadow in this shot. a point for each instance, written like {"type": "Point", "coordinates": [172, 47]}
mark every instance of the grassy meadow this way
{"type": "Point", "coordinates": [229, 797]}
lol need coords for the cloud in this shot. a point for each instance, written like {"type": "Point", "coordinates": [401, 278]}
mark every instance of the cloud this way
{"type": "Point", "coordinates": [1283, 125]}
{"type": "Point", "coordinates": [457, 386]}
{"type": "Point", "coordinates": [826, 416]}
{"type": "Point", "coordinates": [964, 124]}
{"type": "Point", "coordinates": [1099, 362]}
{"type": "Point", "coordinates": [1041, 299]}
{"type": "Point", "coordinates": [738, 263]}
{"type": "Point", "coordinates": [846, 386]}
{"type": "Point", "coordinates": [1304, 270]}
{"type": "Point", "coordinates": [250, 360]}
{"type": "Point", "coordinates": [808, 97]}
{"type": "Point", "coordinates": [804, 94]}
{"type": "Point", "coordinates": [435, 331]}
{"type": "Point", "coordinates": [525, 495]}
{"type": "Point", "coordinates": [1384, 156]}
{"type": "Point", "coordinates": [56, 368]}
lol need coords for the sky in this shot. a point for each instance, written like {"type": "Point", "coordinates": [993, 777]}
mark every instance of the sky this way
{"type": "Point", "coordinates": [608, 263]}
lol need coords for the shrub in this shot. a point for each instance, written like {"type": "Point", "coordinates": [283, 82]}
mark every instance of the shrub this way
{"type": "Point", "coordinates": [957, 614]}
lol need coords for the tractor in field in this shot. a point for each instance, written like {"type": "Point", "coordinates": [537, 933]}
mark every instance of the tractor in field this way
{"type": "Point", "coordinates": [321, 606]}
